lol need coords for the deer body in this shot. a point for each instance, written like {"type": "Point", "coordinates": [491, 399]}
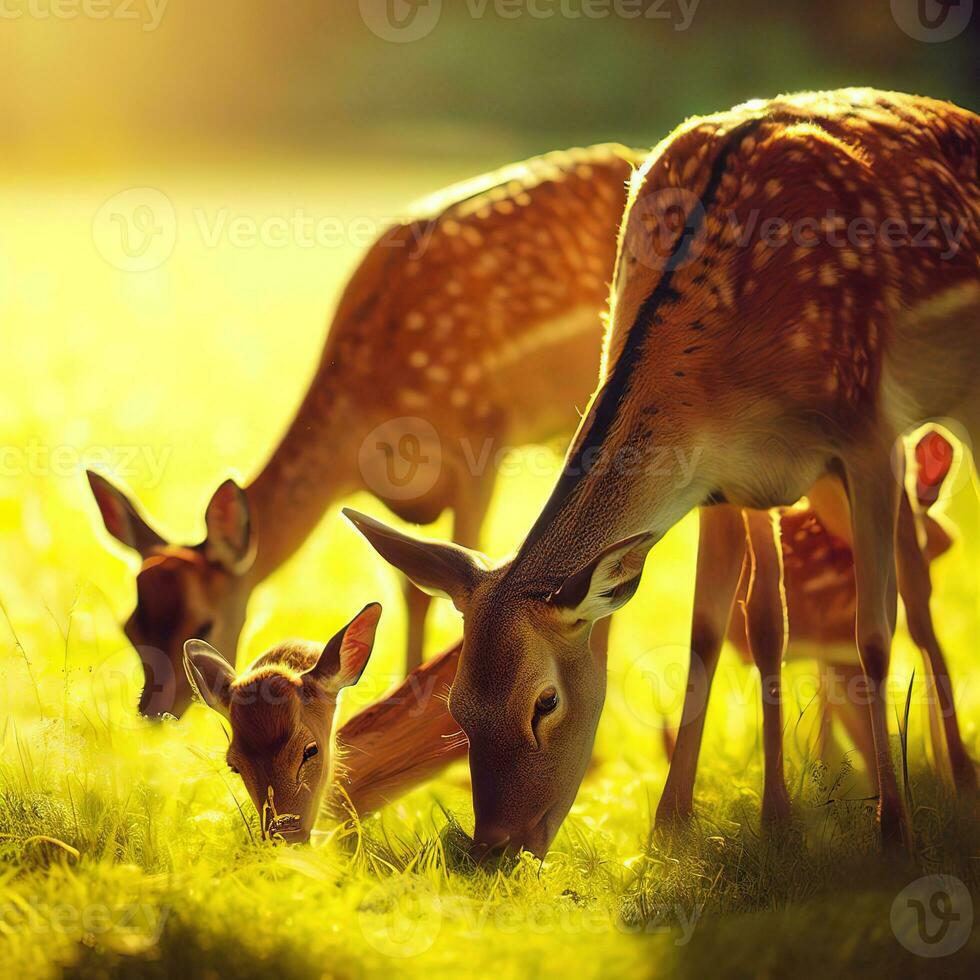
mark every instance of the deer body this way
{"type": "Point", "coordinates": [769, 367]}
{"type": "Point", "coordinates": [473, 326]}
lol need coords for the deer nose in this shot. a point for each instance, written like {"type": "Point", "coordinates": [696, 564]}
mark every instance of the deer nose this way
{"type": "Point", "coordinates": [490, 841]}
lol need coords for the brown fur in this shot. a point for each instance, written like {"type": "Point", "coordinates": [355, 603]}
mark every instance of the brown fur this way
{"type": "Point", "coordinates": [481, 314]}
{"type": "Point", "coordinates": [767, 368]}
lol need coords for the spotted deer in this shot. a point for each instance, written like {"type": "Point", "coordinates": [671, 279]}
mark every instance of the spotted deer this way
{"type": "Point", "coordinates": [821, 602]}
{"type": "Point", "coordinates": [475, 325]}
{"type": "Point", "coordinates": [770, 324]}
{"type": "Point", "coordinates": [281, 714]}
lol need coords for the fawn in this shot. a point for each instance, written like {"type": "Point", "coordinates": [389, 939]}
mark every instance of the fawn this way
{"type": "Point", "coordinates": [781, 368]}
{"type": "Point", "coordinates": [818, 574]}
{"type": "Point", "coordinates": [281, 712]}
{"type": "Point", "coordinates": [476, 324]}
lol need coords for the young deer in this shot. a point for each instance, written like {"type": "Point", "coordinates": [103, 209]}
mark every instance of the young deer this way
{"type": "Point", "coordinates": [477, 325]}
{"type": "Point", "coordinates": [281, 712]}
{"type": "Point", "coordinates": [821, 600]}
{"type": "Point", "coordinates": [768, 364]}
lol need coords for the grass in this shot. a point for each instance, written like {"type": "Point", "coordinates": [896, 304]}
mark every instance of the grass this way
{"type": "Point", "coordinates": [127, 849]}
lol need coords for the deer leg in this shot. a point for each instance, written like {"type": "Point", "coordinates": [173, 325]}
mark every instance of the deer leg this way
{"type": "Point", "coordinates": [875, 495]}
{"type": "Point", "coordinates": [766, 630]}
{"type": "Point", "coordinates": [915, 586]}
{"type": "Point", "coordinates": [470, 510]}
{"type": "Point", "coordinates": [855, 717]}
{"type": "Point", "coordinates": [417, 605]}
{"type": "Point", "coordinates": [721, 549]}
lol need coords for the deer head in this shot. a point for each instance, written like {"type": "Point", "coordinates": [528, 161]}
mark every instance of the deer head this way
{"type": "Point", "coordinates": [281, 712]}
{"type": "Point", "coordinates": [528, 691]}
{"type": "Point", "coordinates": [181, 592]}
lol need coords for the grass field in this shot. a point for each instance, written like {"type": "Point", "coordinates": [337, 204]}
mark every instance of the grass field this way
{"type": "Point", "coordinates": [123, 848]}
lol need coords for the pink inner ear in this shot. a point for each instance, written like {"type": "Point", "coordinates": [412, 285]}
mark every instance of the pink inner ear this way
{"type": "Point", "coordinates": [223, 511]}
{"type": "Point", "coordinates": [114, 515]}
{"type": "Point", "coordinates": [359, 641]}
{"type": "Point", "coordinates": [934, 458]}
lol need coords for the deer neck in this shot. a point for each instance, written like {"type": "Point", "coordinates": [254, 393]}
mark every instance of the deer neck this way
{"type": "Point", "coordinates": [641, 474]}
{"type": "Point", "coordinates": [313, 466]}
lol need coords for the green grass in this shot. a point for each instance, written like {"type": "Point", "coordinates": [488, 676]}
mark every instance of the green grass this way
{"type": "Point", "coordinates": [128, 849]}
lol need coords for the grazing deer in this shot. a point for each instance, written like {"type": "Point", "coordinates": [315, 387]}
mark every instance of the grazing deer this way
{"type": "Point", "coordinates": [281, 712]}
{"type": "Point", "coordinates": [477, 325]}
{"type": "Point", "coordinates": [772, 352]}
{"type": "Point", "coordinates": [821, 600]}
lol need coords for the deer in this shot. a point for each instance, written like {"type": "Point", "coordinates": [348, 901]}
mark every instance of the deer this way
{"type": "Point", "coordinates": [780, 369]}
{"type": "Point", "coordinates": [818, 578]}
{"type": "Point", "coordinates": [281, 713]}
{"type": "Point", "coordinates": [475, 325]}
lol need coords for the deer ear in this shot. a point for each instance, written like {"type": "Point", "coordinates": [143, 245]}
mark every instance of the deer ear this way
{"type": "Point", "coordinates": [344, 658]}
{"type": "Point", "coordinates": [934, 456]}
{"type": "Point", "coordinates": [445, 570]}
{"type": "Point", "coordinates": [209, 674]}
{"type": "Point", "coordinates": [121, 517]}
{"type": "Point", "coordinates": [606, 583]}
{"type": "Point", "coordinates": [230, 542]}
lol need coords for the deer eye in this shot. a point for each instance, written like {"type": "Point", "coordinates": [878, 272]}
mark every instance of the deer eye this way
{"type": "Point", "coordinates": [310, 751]}
{"type": "Point", "coordinates": [547, 701]}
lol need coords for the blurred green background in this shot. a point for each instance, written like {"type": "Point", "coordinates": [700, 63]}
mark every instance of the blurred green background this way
{"type": "Point", "coordinates": [499, 80]}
